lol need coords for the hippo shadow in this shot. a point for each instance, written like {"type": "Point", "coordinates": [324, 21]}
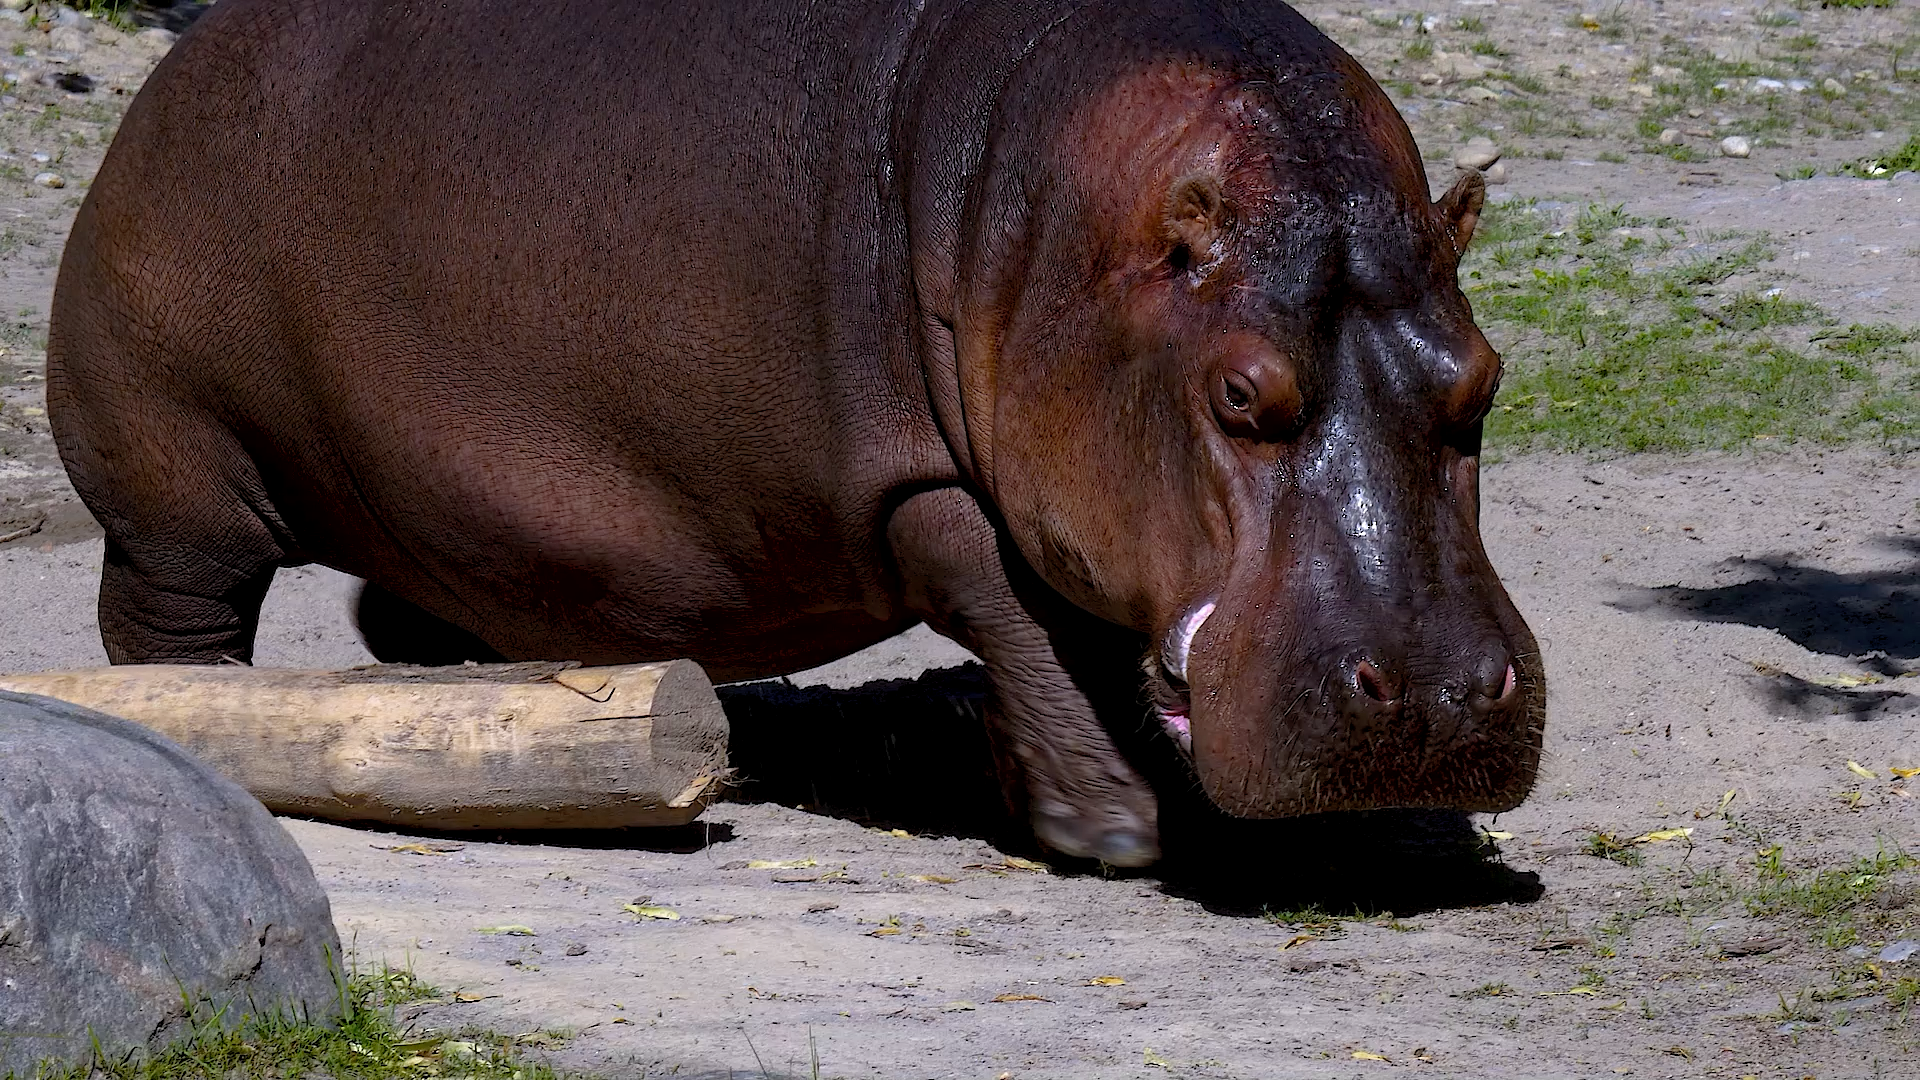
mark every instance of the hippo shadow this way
{"type": "Point", "coordinates": [914, 754]}
{"type": "Point", "coordinates": [1871, 618]}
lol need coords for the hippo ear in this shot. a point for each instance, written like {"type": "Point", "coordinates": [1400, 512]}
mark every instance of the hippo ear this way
{"type": "Point", "coordinates": [1460, 207]}
{"type": "Point", "coordinates": [1197, 218]}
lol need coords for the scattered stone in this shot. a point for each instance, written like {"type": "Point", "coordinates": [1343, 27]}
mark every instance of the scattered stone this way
{"type": "Point", "coordinates": [1832, 86]}
{"type": "Point", "coordinates": [16, 5]}
{"type": "Point", "coordinates": [50, 180]}
{"type": "Point", "coordinates": [1479, 153]}
{"type": "Point", "coordinates": [1899, 951]}
{"type": "Point", "coordinates": [1432, 78]}
{"type": "Point", "coordinates": [1455, 66]}
{"type": "Point", "coordinates": [574, 948]}
{"type": "Point", "coordinates": [819, 906]}
{"type": "Point", "coordinates": [41, 157]}
{"type": "Point", "coordinates": [1799, 86]}
{"type": "Point", "coordinates": [1757, 946]}
{"type": "Point", "coordinates": [70, 40]}
{"type": "Point", "coordinates": [1671, 137]}
{"type": "Point", "coordinates": [1496, 173]}
{"type": "Point", "coordinates": [144, 894]}
{"type": "Point", "coordinates": [155, 40]}
{"type": "Point", "coordinates": [1735, 147]}
{"type": "Point", "coordinates": [73, 82]}
{"type": "Point", "coordinates": [1480, 93]}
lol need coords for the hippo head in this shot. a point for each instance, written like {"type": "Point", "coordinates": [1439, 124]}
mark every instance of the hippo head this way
{"type": "Point", "coordinates": [1223, 386]}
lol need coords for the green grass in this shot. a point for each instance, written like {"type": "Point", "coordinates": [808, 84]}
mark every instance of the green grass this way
{"type": "Point", "coordinates": [1905, 159]}
{"type": "Point", "coordinates": [1420, 48]}
{"type": "Point", "coordinates": [1613, 849]}
{"type": "Point", "coordinates": [1625, 335]}
{"type": "Point", "coordinates": [366, 1044]}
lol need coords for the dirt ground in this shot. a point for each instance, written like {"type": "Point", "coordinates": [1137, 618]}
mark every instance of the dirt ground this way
{"type": "Point", "coordinates": [1726, 638]}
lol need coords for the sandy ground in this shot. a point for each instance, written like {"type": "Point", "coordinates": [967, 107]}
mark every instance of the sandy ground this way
{"type": "Point", "coordinates": [1711, 626]}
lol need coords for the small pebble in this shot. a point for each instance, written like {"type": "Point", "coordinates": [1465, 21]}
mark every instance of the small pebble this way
{"type": "Point", "coordinates": [1899, 951]}
{"type": "Point", "coordinates": [576, 949]}
{"type": "Point", "coordinates": [819, 906]}
{"type": "Point", "coordinates": [1736, 147]}
{"type": "Point", "coordinates": [50, 180]}
{"type": "Point", "coordinates": [15, 5]}
{"type": "Point", "coordinates": [1671, 137]}
{"type": "Point", "coordinates": [1496, 173]}
{"type": "Point", "coordinates": [42, 156]}
{"type": "Point", "coordinates": [1479, 153]}
{"type": "Point", "coordinates": [1832, 86]}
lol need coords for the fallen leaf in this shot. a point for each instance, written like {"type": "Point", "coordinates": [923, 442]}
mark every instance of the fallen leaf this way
{"type": "Point", "coordinates": [959, 1006]}
{"type": "Point", "coordinates": [1491, 835]}
{"type": "Point", "coordinates": [719, 918]}
{"type": "Point", "coordinates": [780, 864]}
{"type": "Point", "coordinates": [1368, 1055]}
{"type": "Point", "coordinates": [651, 911]}
{"type": "Point", "coordinates": [422, 848]}
{"type": "Point", "coordinates": [1858, 769]}
{"type": "Point", "coordinates": [901, 833]}
{"type": "Point", "coordinates": [512, 929]}
{"type": "Point", "coordinates": [1003, 998]}
{"type": "Point", "coordinates": [1844, 682]}
{"type": "Point", "coordinates": [933, 879]}
{"type": "Point", "coordinates": [885, 931]}
{"type": "Point", "coordinates": [1299, 939]}
{"type": "Point", "coordinates": [1756, 946]}
{"type": "Point", "coordinates": [1727, 799]}
{"type": "Point", "coordinates": [465, 998]}
{"type": "Point", "coordinates": [1556, 944]}
{"type": "Point", "coordinates": [1106, 980]}
{"type": "Point", "coordinates": [1155, 1060]}
{"type": "Point", "coordinates": [1679, 1052]}
{"type": "Point", "coordinates": [1659, 835]}
{"type": "Point", "coordinates": [621, 1020]}
{"type": "Point", "coordinates": [1903, 773]}
{"type": "Point", "coordinates": [1017, 863]}
{"type": "Point", "coordinates": [794, 877]}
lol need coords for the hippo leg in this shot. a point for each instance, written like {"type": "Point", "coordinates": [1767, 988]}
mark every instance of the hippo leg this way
{"type": "Point", "coordinates": [398, 632]}
{"type": "Point", "coordinates": [180, 607]}
{"type": "Point", "coordinates": [1083, 797]}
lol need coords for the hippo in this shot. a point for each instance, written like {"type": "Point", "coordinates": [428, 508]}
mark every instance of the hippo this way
{"type": "Point", "coordinates": [1119, 341]}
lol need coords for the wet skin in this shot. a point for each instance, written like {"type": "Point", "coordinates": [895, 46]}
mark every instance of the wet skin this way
{"type": "Point", "coordinates": [1119, 342]}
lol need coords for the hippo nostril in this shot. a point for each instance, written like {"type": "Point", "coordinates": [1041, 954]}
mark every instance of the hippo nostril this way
{"type": "Point", "coordinates": [1373, 682]}
{"type": "Point", "coordinates": [1497, 690]}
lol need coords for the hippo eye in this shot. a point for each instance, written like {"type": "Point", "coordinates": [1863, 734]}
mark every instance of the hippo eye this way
{"type": "Point", "coordinates": [1180, 258]}
{"type": "Point", "coordinates": [1236, 391]}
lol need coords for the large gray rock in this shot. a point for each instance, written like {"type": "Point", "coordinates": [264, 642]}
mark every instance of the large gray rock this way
{"type": "Point", "coordinates": [134, 880]}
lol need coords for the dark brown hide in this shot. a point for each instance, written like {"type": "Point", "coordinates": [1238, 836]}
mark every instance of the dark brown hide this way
{"type": "Point", "coordinates": [757, 331]}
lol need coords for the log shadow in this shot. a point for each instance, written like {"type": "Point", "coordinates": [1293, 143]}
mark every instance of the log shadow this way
{"type": "Point", "coordinates": [1871, 618]}
{"type": "Point", "coordinates": [1873, 615]}
{"type": "Point", "coordinates": [914, 754]}
{"type": "Point", "coordinates": [694, 836]}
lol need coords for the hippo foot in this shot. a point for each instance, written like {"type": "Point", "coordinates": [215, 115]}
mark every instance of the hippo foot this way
{"type": "Point", "coordinates": [1089, 837]}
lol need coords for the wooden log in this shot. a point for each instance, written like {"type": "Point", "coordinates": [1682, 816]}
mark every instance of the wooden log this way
{"type": "Point", "coordinates": [492, 746]}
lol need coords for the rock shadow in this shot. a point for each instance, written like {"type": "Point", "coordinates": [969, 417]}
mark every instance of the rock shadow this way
{"type": "Point", "coordinates": [914, 754]}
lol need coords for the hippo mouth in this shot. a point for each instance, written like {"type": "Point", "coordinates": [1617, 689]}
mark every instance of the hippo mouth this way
{"type": "Point", "coordinates": [1167, 676]}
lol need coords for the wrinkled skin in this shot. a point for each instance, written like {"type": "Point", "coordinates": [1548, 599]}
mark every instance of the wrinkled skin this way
{"type": "Point", "coordinates": [1117, 341]}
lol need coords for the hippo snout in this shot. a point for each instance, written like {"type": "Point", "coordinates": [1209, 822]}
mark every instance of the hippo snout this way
{"type": "Point", "coordinates": [1281, 718]}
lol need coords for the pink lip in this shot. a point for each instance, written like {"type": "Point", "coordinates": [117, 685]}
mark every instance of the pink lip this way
{"type": "Point", "coordinates": [1178, 728]}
